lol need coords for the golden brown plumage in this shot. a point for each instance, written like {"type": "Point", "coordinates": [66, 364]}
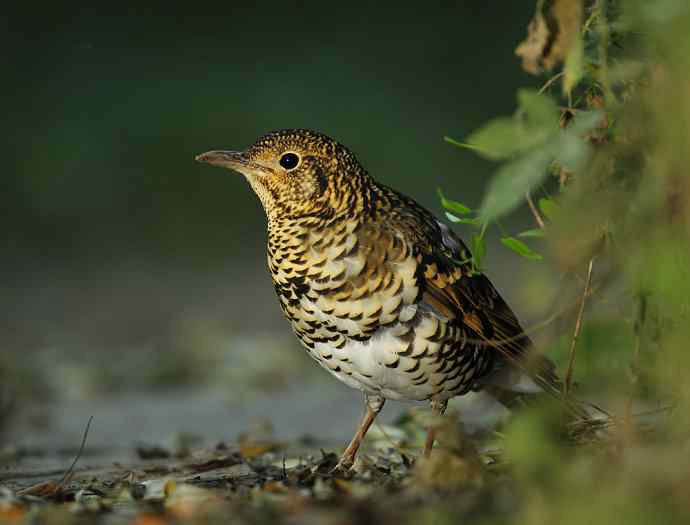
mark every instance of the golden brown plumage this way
{"type": "Point", "coordinates": [373, 285]}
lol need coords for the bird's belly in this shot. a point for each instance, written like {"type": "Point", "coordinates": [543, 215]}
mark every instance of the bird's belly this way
{"type": "Point", "coordinates": [361, 369]}
{"type": "Point", "coordinates": [411, 366]}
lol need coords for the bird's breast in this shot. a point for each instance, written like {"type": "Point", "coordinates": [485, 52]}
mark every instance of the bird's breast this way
{"type": "Point", "coordinates": [342, 281]}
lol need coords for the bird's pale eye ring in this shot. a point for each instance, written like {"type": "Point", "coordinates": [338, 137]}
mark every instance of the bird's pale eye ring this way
{"type": "Point", "coordinates": [289, 160]}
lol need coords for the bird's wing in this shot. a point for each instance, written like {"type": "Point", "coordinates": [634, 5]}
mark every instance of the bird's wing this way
{"type": "Point", "coordinates": [472, 302]}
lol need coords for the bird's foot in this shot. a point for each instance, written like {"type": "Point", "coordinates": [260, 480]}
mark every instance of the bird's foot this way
{"type": "Point", "coordinates": [429, 444]}
{"type": "Point", "coordinates": [344, 465]}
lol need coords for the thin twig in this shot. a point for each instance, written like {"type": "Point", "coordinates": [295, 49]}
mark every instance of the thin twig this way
{"type": "Point", "coordinates": [578, 327]}
{"type": "Point", "coordinates": [551, 81]}
{"type": "Point", "coordinates": [70, 471]}
{"type": "Point", "coordinates": [535, 211]}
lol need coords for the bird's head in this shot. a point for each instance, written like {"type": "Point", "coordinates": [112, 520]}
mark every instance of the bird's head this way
{"type": "Point", "coordinates": [295, 172]}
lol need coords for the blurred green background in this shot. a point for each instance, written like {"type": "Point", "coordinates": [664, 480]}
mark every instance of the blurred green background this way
{"type": "Point", "coordinates": [127, 266]}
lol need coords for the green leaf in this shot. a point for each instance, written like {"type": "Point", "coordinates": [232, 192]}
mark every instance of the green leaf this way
{"type": "Point", "coordinates": [500, 138]}
{"type": "Point", "coordinates": [569, 148]}
{"type": "Point", "coordinates": [547, 206]}
{"type": "Point", "coordinates": [534, 131]}
{"type": "Point", "coordinates": [571, 151]}
{"type": "Point", "coordinates": [508, 187]}
{"type": "Point", "coordinates": [537, 232]}
{"type": "Point", "coordinates": [456, 207]}
{"type": "Point", "coordinates": [585, 121]}
{"type": "Point", "coordinates": [461, 220]}
{"type": "Point", "coordinates": [540, 109]}
{"type": "Point", "coordinates": [478, 250]}
{"type": "Point", "coordinates": [521, 248]}
{"type": "Point", "coordinates": [459, 144]}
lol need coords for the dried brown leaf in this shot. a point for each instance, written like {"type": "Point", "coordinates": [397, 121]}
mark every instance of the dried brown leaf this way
{"type": "Point", "coordinates": [149, 519]}
{"type": "Point", "coordinates": [531, 50]}
{"type": "Point", "coordinates": [12, 513]}
{"type": "Point", "coordinates": [45, 489]}
{"type": "Point", "coordinates": [550, 35]}
{"type": "Point", "coordinates": [185, 501]}
{"type": "Point", "coordinates": [568, 16]}
{"type": "Point", "coordinates": [217, 463]}
{"type": "Point", "coordinates": [275, 487]}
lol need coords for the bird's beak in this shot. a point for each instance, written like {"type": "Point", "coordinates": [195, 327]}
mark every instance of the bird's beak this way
{"type": "Point", "coordinates": [234, 160]}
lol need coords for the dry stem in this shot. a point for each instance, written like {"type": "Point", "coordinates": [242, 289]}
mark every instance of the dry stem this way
{"type": "Point", "coordinates": [549, 82]}
{"type": "Point", "coordinates": [578, 327]}
{"type": "Point", "coordinates": [535, 211]}
{"type": "Point", "coordinates": [67, 477]}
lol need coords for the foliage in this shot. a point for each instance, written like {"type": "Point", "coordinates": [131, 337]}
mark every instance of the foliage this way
{"type": "Point", "coordinates": [608, 155]}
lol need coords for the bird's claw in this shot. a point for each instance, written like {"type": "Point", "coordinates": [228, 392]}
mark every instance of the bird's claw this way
{"type": "Point", "coordinates": [343, 466]}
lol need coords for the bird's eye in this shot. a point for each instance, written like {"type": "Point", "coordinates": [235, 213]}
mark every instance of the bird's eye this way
{"type": "Point", "coordinates": [289, 160]}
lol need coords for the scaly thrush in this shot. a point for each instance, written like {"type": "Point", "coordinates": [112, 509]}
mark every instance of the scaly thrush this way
{"type": "Point", "coordinates": [378, 291]}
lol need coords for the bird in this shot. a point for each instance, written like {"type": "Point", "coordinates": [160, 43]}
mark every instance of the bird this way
{"type": "Point", "coordinates": [379, 292]}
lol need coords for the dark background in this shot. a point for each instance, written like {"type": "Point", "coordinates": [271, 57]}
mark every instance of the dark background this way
{"type": "Point", "coordinates": [126, 266]}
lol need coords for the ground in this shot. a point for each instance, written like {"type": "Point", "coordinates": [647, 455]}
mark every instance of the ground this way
{"type": "Point", "coordinates": [258, 478]}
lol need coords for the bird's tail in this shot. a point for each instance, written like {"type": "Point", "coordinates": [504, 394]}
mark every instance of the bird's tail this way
{"type": "Point", "coordinates": [519, 383]}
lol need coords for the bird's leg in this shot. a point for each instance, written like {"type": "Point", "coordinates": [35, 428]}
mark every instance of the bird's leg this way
{"type": "Point", "coordinates": [374, 404]}
{"type": "Point", "coordinates": [438, 408]}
